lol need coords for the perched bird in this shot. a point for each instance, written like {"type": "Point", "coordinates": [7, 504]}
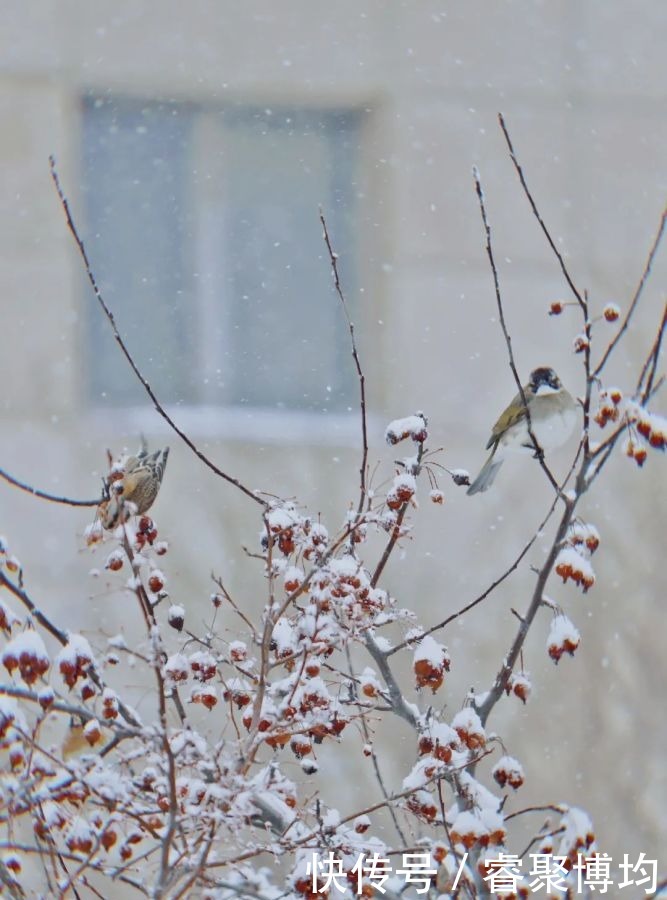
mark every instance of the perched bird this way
{"type": "Point", "coordinates": [135, 486]}
{"type": "Point", "coordinates": [553, 413]}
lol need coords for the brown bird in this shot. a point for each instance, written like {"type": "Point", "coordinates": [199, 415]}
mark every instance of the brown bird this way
{"type": "Point", "coordinates": [553, 414]}
{"type": "Point", "coordinates": [136, 488]}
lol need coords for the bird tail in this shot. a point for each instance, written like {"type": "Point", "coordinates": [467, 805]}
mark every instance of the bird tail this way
{"type": "Point", "coordinates": [162, 464]}
{"type": "Point", "coordinates": [487, 476]}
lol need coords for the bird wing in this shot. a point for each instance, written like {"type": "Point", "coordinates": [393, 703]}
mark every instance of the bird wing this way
{"type": "Point", "coordinates": [515, 413]}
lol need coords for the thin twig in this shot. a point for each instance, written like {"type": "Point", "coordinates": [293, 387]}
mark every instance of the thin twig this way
{"type": "Point", "coordinates": [548, 807]}
{"type": "Point", "coordinates": [367, 738]}
{"type": "Point", "coordinates": [135, 368]}
{"type": "Point", "coordinates": [396, 528]}
{"type": "Point", "coordinates": [333, 258]}
{"type": "Point", "coordinates": [581, 483]}
{"type": "Point", "coordinates": [539, 453]}
{"type": "Point", "coordinates": [41, 851]}
{"type": "Point", "coordinates": [514, 565]}
{"type": "Point", "coordinates": [536, 212]}
{"type": "Point", "coordinates": [62, 638]}
{"type": "Point", "coordinates": [33, 609]}
{"type": "Point", "coordinates": [43, 495]}
{"type": "Point", "coordinates": [492, 697]}
{"type": "Point", "coordinates": [443, 772]}
{"type": "Point", "coordinates": [228, 597]}
{"type": "Point", "coordinates": [540, 837]}
{"type": "Point", "coordinates": [637, 295]}
{"type": "Point", "coordinates": [652, 359]}
{"type": "Point", "coordinates": [400, 706]}
{"type": "Point", "coordinates": [391, 543]}
{"type": "Point", "coordinates": [121, 732]}
{"type": "Point", "coordinates": [159, 659]}
{"type": "Point", "coordinates": [247, 755]}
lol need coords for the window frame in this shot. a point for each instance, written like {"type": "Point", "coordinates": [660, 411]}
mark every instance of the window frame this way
{"type": "Point", "coordinates": [254, 423]}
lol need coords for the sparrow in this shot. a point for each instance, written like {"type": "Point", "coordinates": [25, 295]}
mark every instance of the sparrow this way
{"type": "Point", "coordinates": [553, 413]}
{"type": "Point", "coordinates": [137, 483]}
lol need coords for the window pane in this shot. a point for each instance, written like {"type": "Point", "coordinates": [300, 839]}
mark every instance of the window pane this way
{"type": "Point", "coordinates": [203, 232]}
{"type": "Point", "coordinates": [288, 344]}
{"type": "Point", "coordinates": [135, 185]}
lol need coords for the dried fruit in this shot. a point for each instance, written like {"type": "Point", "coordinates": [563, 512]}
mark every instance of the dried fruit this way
{"type": "Point", "coordinates": [414, 427]}
{"type": "Point", "coordinates": [611, 312]}
{"type": "Point", "coordinates": [301, 746]}
{"type": "Point", "coordinates": [422, 805]}
{"type": "Point", "coordinates": [206, 695]}
{"type": "Point", "coordinates": [114, 561]}
{"type": "Point", "coordinates": [92, 732]}
{"type": "Point", "coordinates": [27, 653]}
{"type": "Point", "coordinates": [572, 565]}
{"type": "Point", "coordinates": [176, 616]}
{"type": "Point", "coordinates": [563, 638]}
{"type": "Point", "coordinates": [508, 771]}
{"type": "Point", "coordinates": [156, 581]}
{"type": "Point", "coordinates": [430, 663]}
{"type": "Point", "coordinates": [519, 684]}
{"type": "Point", "coordinates": [467, 724]}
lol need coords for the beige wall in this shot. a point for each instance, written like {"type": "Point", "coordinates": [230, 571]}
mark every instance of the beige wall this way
{"type": "Point", "coordinates": [582, 85]}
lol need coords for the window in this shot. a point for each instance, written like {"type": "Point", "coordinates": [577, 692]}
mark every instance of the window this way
{"type": "Point", "coordinates": [202, 229]}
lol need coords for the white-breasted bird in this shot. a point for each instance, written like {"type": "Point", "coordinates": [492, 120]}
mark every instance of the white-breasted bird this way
{"type": "Point", "coordinates": [553, 414]}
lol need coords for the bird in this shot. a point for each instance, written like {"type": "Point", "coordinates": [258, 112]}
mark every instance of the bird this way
{"type": "Point", "coordinates": [136, 488]}
{"type": "Point", "coordinates": [553, 413]}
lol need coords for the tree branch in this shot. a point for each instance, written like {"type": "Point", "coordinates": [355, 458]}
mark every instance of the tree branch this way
{"type": "Point", "coordinates": [539, 453]}
{"type": "Point", "coordinates": [333, 258]}
{"type": "Point", "coordinates": [43, 495]}
{"type": "Point", "coordinates": [500, 578]}
{"type": "Point", "coordinates": [133, 365]}
{"type": "Point", "coordinates": [536, 213]}
{"type": "Point", "coordinates": [637, 295]}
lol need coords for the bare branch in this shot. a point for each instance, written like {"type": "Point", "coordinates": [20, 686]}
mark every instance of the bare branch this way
{"type": "Point", "coordinates": [492, 697]}
{"type": "Point", "coordinates": [62, 638]}
{"type": "Point", "coordinates": [333, 257]}
{"type": "Point", "coordinates": [33, 609]}
{"type": "Point", "coordinates": [539, 453]}
{"type": "Point", "coordinates": [498, 581]}
{"type": "Point", "coordinates": [536, 213]}
{"type": "Point", "coordinates": [374, 758]}
{"type": "Point", "coordinates": [652, 359]}
{"type": "Point", "coordinates": [399, 705]}
{"type": "Point", "coordinates": [133, 365]}
{"type": "Point", "coordinates": [637, 295]}
{"type": "Point", "coordinates": [43, 495]}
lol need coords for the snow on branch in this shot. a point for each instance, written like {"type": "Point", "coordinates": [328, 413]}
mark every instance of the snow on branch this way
{"type": "Point", "coordinates": [214, 789]}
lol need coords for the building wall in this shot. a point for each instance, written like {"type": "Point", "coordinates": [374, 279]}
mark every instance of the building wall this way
{"type": "Point", "coordinates": [582, 87]}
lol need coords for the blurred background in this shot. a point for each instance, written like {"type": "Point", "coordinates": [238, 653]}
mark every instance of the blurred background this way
{"type": "Point", "coordinates": [196, 145]}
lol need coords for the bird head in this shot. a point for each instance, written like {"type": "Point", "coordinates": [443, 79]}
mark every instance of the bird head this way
{"type": "Point", "coordinates": [544, 381]}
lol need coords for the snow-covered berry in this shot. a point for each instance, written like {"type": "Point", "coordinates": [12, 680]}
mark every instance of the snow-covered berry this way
{"type": "Point", "coordinates": [467, 724]}
{"type": "Point", "coordinates": [430, 662]}
{"type": "Point", "coordinates": [508, 771]}
{"type": "Point", "coordinates": [563, 638]}
{"type": "Point", "coordinates": [611, 312]}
